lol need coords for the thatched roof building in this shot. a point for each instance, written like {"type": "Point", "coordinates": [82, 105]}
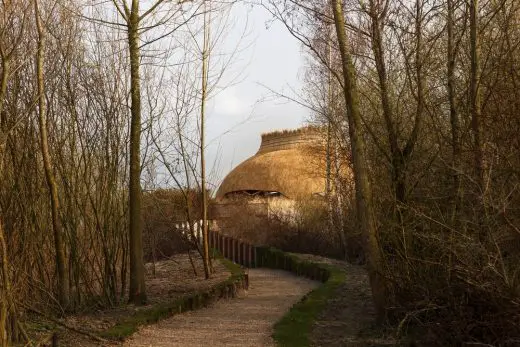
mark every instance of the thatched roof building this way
{"type": "Point", "coordinates": [286, 164]}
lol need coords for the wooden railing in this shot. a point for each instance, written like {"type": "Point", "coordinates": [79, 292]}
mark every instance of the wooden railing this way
{"type": "Point", "coordinates": [249, 255]}
{"type": "Point", "coordinates": [237, 251]}
{"type": "Point", "coordinates": [240, 252]}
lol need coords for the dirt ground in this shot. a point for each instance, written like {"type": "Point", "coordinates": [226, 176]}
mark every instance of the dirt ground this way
{"type": "Point", "coordinates": [172, 278]}
{"type": "Point", "coordinates": [244, 321]}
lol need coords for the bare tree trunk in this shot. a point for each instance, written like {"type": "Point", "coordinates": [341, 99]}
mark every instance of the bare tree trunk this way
{"type": "Point", "coordinates": [205, 61]}
{"type": "Point", "coordinates": [4, 286]}
{"type": "Point", "coordinates": [5, 291]}
{"type": "Point", "coordinates": [3, 82]}
{"type": "Point", "coordinates": [63, 275]}
{"type": "Point", "coordinates": [339, 200]}
{"type": "Point", "coordinates": [6, 305]}
{"type": "Point", "coordinates": [187, 197]}
{"type": "Point", "coordinates": [3, 92]}
{"type": "Point", "coordinates": [137, 293]}
{"type": "Point", "coordinates": [328, 178]}
{"type": "Point", "coordinates": [365, 208]}
{"type": "Point", "coordinates": [419, 80]}
{"type": "Point", "coordinates": [400, 157]}
{"type": "Point", "coordinates": [398, 175]}
{"type": "Point", "coordinates": [454, 117]}
{"type": "Point", "coordinates": [475, 95]}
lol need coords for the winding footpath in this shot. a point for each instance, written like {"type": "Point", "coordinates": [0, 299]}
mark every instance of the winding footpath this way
{"type": "Point", "coordinates": [244, 321]}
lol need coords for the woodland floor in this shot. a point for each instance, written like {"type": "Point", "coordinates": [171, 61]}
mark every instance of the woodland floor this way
{"type": "Point", "coordinates": [173, 278]}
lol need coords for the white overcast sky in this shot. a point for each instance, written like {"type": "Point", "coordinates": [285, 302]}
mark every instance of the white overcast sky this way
{"type": "Point", "coordinates": [270, 58]}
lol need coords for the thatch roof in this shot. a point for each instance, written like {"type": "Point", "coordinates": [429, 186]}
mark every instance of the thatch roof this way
{"type": "Point", "coordinates": [286, 163]}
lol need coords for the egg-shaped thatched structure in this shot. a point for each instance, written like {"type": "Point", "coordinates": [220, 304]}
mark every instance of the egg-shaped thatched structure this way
{"type": "Point", "coordinates": [288, 164]}
{"type": "Point", "coordinates": [272, 190]}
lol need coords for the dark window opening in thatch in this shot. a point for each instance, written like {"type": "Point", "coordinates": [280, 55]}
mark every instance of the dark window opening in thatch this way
{"type": "Point", "coordinates": [252, 194]}
{"type": "Point", "coordinates": [320, 195]}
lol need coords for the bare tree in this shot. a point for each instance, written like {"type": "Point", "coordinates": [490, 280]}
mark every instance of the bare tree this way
{"type": "Point", "coordinates": [204, 93]}
{"type": "Point", "coordinates": [59, 243]}
{"type": "Point", "coordinates": [365, 208]}
{"type": "Point", "coordinates": [133, 18]}
{"type": "Point", "coordinates": [475, 94]}
{"type": "Point", "coordinates": [454, 116]}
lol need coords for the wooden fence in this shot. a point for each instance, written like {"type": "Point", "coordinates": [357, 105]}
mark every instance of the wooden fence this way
{"type": "Point", "coordinates": [252, 256]}
{"type": "Point", "coordinates": [238, 251]}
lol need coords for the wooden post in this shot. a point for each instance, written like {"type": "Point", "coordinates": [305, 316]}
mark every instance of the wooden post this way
{"type": "Point", "coordinates": [239, 247]}
{"type": "Point", "coordinates": [233, 250]}
{"type": "Point", "coordinates": [230, 248]}
{"type": "Point", "coordinates": [239, 252]}
{"type": "Point", "coordinates": [243, 254]}
{"type": "Point", "coordinates": [224, 246]}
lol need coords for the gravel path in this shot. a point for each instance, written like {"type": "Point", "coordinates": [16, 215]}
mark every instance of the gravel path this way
{"type": "Point", "coordinates": [245, 321]}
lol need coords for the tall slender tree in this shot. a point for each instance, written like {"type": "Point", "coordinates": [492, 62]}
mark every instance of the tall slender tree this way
{"type": "Point", "coordinates": [59, 242]}
{"type": "Point", "coordinates": [133, 19]}
{"type": "Point", "coordinates": [204, 93]}
{"type": "Point", "coordinates": [364, 203]}
{"type": "Point", "coordinates": [454, 116]}
{"type": "Point", "coordinates": [475, 101]}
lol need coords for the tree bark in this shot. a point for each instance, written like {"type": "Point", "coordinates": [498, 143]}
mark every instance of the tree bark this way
{"type": "Point", "coordinates": [137, 293]}
{"type": "Point", "coordinates": [365, 209]}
